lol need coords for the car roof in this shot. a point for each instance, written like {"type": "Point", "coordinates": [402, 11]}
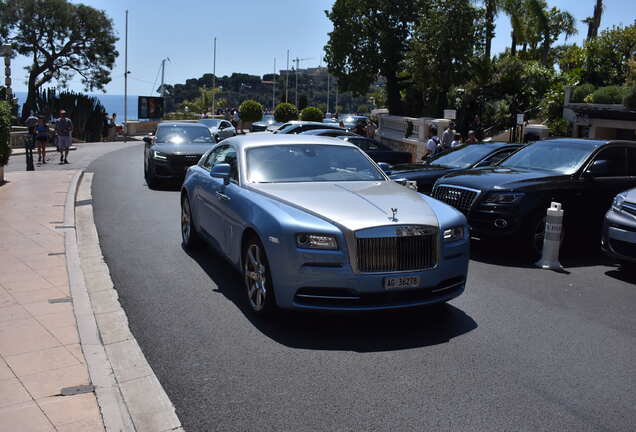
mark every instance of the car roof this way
{"type": "Point", "coordinates": [181, 124]}
{"type": "Point", "coordinates": [579, 141]}
{"type": "Point", "coordinates": [262, 140]}
{"type": "Point", "coordinates": [496, 144]}
{"type": "Point", "coordinates": [319, 131]}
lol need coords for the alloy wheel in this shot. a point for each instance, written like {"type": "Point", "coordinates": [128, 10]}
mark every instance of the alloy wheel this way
{"type": "Point", "coordinates": [255, 277]}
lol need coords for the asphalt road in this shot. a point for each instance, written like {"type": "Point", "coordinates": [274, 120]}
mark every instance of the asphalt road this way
{"type": "Point", "coordinates": [522, 350]}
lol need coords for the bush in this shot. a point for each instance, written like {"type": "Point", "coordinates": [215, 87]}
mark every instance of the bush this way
{"type": "Point", "coordinates": [608, 95]}
{"type": "Point", "coordinates": [311, 114]}
{"type": "Point", "coordinates": [285, 112]}
{"type": "Point", "coordinates": [251, 111]}
{"type": "Point", "coordinates": [629, 100]}
{"type": "Point", "coordinates": [580, 92]}
{"type": "Point", "coordinates": [5, 129]}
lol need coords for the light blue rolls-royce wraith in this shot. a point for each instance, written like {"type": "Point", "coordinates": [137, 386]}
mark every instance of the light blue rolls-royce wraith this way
{"type": "Point", "coordinates": [313, 223]}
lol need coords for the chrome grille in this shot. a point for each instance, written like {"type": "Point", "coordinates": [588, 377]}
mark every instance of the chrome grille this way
{"type": "Point", "coordinates": [183, 161]}
{"type": "Point", "coordinates": [392, 254]}
{"type": "Point", "coordinates": [460, 198]}
{"type": "Point", "coordinates": [629, 208]}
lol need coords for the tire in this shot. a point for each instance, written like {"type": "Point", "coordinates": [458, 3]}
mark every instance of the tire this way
{"type": "Point", "coordinates": [189, 236]}
{"type": "Point", "coordinates": [259, 289]}
{"type": "Point", "coordinates": [151, 180]}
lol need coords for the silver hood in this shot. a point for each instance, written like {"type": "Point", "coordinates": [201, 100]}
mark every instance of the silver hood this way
{"type": "Point", "coordinates": [354, 205]}
{"type": "Point", "coordinates": [631, 196]}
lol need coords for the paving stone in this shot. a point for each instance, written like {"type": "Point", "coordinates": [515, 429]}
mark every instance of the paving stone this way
{"type": "Point", "coordinates": [27, 417]}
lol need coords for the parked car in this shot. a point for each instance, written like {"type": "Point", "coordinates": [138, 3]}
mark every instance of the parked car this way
{"type": "Point", "coordinates": [220, 129]}
{"type": "Point", "coordinates": [378, 151]}
{"type": "Point", "coordinates": [314, 223]}
{"type": "Point", "coordinates": [330, 120]}
{"type": "Point", "coordinates": [268, 122]}
{"type": "Point", "coordinates": [334, 133]}
{"type": "Point", "coordinates": [619, 228]}
{"type": "Point", "coordinates": [173, 148]}
{"type": "Point", "coordinates": [351, 120]}
{"type": "Point", "coordinates": [296, 127]}
{"type": "Point", "coordinates": [510, 200]}
{"type": "Point", "coordinates": [471, 156]}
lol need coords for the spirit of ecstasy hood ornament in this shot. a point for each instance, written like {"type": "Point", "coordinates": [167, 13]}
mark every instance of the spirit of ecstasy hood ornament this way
{"type": "Point", "coordinates": [393, 217]}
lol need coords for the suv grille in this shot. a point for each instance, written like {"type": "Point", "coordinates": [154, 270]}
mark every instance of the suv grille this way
{"type": "Point", "coordinates": [461, 199]}
{"type": "Point", "coordinates": [182, 162]}
{"type": "Point", "coordinates": [391, 254]}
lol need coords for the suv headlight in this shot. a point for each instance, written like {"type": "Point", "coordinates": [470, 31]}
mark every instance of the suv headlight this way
{"type": "Point", "coordinates": [617, 204]}
{"type": "Point", "coordinates": [454, 233]}
{"type": "Point", "coordinates": [503, 197]}
{"type": "Point", "coordinates": [316, 241]}
{"type": "Point", "coordinates": [159, 155]}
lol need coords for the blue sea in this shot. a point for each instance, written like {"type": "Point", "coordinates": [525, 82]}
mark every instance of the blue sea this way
{"type": "Point", "coordinates": [112, 103]}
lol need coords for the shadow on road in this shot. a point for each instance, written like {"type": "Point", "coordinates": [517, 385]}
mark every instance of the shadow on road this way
{"type": "Point", "coordinates": [623, 273]}
{"type": "Point", "coordinates": [350, 331]}
{"type": "Point", "coordinates": [509, 254]}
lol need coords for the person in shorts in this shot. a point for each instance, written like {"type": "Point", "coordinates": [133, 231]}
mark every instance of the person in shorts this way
{"type": "Point", "coordinates": [41, 139]}
{"type": "Point", "coordinates": [63, 131]}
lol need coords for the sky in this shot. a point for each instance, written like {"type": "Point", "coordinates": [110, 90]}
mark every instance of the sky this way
{"type": "Point", "coordinates": [250, 34]}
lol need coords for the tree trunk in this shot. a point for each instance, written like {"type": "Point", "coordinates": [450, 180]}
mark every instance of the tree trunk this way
{"type": "Point", "coordinates": [29, 104]}
{"type": "Point", "coordinates": [594, 22]}
{"type": "Point", "coordinates": [490, 28]}
{"type": "Point", "coordinates": [513, 44]}
{"type": "Point", "coordinates": [393, 99]}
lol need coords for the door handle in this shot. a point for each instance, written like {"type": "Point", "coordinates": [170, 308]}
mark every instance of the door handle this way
{"type": "Point", "coordinates": [222, 196]}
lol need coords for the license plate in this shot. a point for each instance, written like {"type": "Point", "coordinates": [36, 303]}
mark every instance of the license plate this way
{"type": "Point", "coordinates": [395, 283]}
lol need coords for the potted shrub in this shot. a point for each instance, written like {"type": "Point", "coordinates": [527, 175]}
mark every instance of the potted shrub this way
{"type": "Point", "coordinates": [285, 112]}
{"type": "Point", "coordinates": [250, 111]}
{"type": "Point", "coordinates": [5, 129]}
{"type": "Point", "coordinates": [311, 114]}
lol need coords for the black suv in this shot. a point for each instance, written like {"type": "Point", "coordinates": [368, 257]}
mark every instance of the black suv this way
{"type": "Point", "coordinates": [510, 200]}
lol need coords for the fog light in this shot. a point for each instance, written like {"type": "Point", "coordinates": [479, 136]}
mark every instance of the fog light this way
{"type": "Point", "coordinates": [500, 223]}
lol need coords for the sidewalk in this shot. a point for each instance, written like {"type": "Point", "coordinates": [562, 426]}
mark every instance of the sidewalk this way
{"type": "Point", "coordinates": [44, 381]}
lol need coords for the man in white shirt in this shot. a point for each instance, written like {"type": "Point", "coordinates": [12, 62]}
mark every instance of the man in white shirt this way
{"type": "Point", "coordinates": [431, 145]}
{"type": "Point", "coordinates": [448, 135]}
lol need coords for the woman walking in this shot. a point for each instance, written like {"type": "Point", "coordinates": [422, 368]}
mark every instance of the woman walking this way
{"type": "Point", "coordinates": [41, 139]}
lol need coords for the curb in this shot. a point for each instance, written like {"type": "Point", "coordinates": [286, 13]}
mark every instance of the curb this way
{"type": "Point", "coordinates": [129, 395]}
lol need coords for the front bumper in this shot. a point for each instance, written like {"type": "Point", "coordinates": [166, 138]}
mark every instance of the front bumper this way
{"type": "Point", "coordinates": [619, 236]}
{"type": "Point", "coordinates": [326, 281]}
{"type": "Point", "coordinates": [173, 167]}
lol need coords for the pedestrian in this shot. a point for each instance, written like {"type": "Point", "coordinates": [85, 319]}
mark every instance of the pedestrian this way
{"type": "Point", "coordinates": [63, 132]}
{"type": "Point", "coordinates": [41, 139]}
{"type": "Point", "coordinates": [360, 128]}
{"type": "Point", "coordinates": [236, 119]}
{"type": "Point", "coordinates": [433, 143]}
{"type": "Point", "coordinates": [105, 126]}
{"type": "Point", "coordinates": [472, 139]}
{"type": "Point", "coordinates": [448, 135]}
{"type": "Point", "coordinates": [371, 128]}
{"type": "Point", "coordinates": [477, 127]}
{"type": "Point", "coordinates": [457, 141]}
{"type": "Point", "coordinates": [112, 127]}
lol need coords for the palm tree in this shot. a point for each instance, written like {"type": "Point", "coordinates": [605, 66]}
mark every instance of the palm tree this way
{"type": "Point", "coordinates": [594, 22]}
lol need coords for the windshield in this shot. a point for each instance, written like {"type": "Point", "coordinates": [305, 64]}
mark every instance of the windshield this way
{"type": "Point", "coordinates": [309, 163]}
{"type": "Point", "coordinates": [561, 157]}
{"type": "Point", "coordinates": [178, 135]}
{"type": "Point", "coordinates": [210, 122]}
{"type": "Point", "coordinates": [285, 129]}
{"type": "Point", "coordinates": [462, 158]}
{"type": "Point", "coordinates": [268, 118]}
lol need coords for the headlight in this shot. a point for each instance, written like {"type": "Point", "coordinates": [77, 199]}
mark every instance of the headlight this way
{"type": "Point", "coordinates": [503, 197]}
{"type": "Point", "coordinates": [454, 233]}
{"type": "Point", "coordinates": [316, 241]}
{"type": "Point", "coordinates": [159, 155]}
{"type": "Point", "coordinates": [617, 204]}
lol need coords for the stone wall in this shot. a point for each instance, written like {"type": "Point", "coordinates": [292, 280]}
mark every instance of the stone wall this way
{"type": "Point", "coordinates": [392, 131]}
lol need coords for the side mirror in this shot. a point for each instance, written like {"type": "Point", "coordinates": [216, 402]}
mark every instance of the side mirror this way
{"type": "Point", "coordinates": [598, 168]}
{"type": "Point", "coordinates": [385, 167]}
{"type": "Point", "coordinates": [148, 139]}
{"type": "Point", "coordinates": [221, 171]}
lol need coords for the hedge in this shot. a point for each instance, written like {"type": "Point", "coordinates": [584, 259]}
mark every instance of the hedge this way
{"type": "Point", "coordinates": [580, 92]}
{"type": "Point", "coordinates": [5, 129]}
{"type": "Point", "coordinates": [608, 95]}
{"type": "Point", "coordinates": [285, 112]}
{"type": "Point", "coordinates": [251, 111]}
{"type": "Point", "coordinates": [311, 114]}
{"type": "Point", "coordinates": [629, 100]}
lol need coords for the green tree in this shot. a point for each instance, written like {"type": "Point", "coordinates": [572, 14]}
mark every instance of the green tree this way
{"type": "Point", "coordinates": [445, 47]}
{"type": "Point", "coordinates": [311, 114]}
{"type": "Point", "coordinates": [370, 38]}
{"type": "Point", "coordinates": [607, 56]}
{"type": "Point", "coordinates": [285, 112]}
{"type": "Point", "coordinates": [251, 111]}
{"type": "Point", "coordinates": [62, 39]}
{"type": "Point", "coordinates": [5, 129]}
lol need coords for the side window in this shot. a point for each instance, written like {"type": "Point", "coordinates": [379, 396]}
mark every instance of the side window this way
{"type": "Point", "coordinates": [611, 162]}
{"type": "Point", "coordinates": [230, 159]}
{"type": "Point", "coordinates": [208, 162]}
{"type": "Point", "coordinates": [494, 159]}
